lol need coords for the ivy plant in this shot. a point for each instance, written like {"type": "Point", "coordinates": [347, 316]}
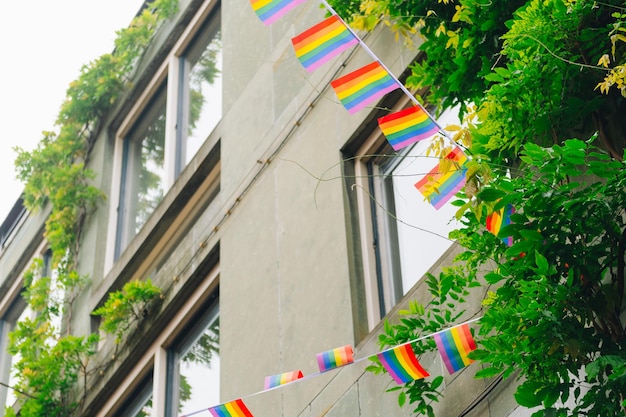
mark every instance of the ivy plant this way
{"type": "Point", "coordinates": [50, 359]}
{"type": "Point", "coordinates": [127, 307]}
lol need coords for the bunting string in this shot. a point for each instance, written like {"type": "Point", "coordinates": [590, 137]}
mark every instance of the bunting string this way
{"type": "Point", "coordinates": [375, 57]}
{"type": "Point", "coordinates": [405, 367]}
{"type": "Point", "coordinates": [327, 39]}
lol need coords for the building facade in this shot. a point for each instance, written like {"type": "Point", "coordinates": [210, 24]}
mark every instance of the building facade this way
{"type": "Point", "coordinates": [276, 225]}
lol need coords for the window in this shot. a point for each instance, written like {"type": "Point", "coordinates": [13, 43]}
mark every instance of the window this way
{"type": "Point", "coordinates": [11, 223]}
{"type": "Point", "coordinates": [181, 108]}
{"type": "Point", "coordinates": [401, 234]}
{"type": "Point", "coordinates": [142, 177]}
{"type": "Point", "coordinates": [178, 373]}
{"type": "Point", "coordinates": [193, 366]}
{"type": "Point", "coordinates": [200, 91]}
{"type": "Point", "coordinates": [16, 311]}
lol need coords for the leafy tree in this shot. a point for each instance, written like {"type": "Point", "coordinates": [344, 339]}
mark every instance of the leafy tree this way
{"type": "Point", "coordinates": [539, 72]}
{"type": "Point", "coordinates": [554, 309]}
{"type": "Point", "coordinates": [560, 286]}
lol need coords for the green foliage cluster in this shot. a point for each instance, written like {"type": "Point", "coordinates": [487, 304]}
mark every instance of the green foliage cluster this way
{"type": "Point", "coordinates": [126, 307]}
{"type": "Point", "coordinates": [55, 172]}
{"type": "Point", "coordinates": [449, 291]}
{"type": "Point", "coordinates": [50, 362]}
{"type": "Point", "coordinates": [531, 66]}
{"type": "Point", "coordinates": [554, 311]}
{"type": "Point", "coordinates": [560, 286]}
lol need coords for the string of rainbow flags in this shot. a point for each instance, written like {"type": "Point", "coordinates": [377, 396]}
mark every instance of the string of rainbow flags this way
{"type": "Point", "coordinates": [453, 344]}
{"type": "Point", "coordinates": [362, 87]}
{"type": "Point", "coordinates": [356, 90]}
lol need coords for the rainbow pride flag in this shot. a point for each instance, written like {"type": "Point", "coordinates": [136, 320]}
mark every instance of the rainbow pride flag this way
{"type": "Point", "coordinates": [439, 186]}
{"type": "Point", "coordinates": [335, 358]}
{"type": "Point", "coordinates": [500, 218]}
{"type": "Point", "coordinates": [327, 39]}
{"type": "Point", "coordinates": [454, 345]}
{"type": "Point", "coordinates": [363, 86]}
{"type": "Point", "coordinates": [271, 10]}
{"type": "Point", "coordinates": [231, 409]}
{"type": "Point", "coordinates": [281, 379]}
{"type": "Point", "coordinates": [407, 126]}
{"type": "Point", "coordinates": [402, 364]}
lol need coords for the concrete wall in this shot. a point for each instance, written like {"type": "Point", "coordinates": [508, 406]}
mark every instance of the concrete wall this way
{"type": "Point", "coordinates": [284, 285]}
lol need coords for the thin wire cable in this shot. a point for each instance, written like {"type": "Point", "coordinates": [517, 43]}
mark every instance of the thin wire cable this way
{"type": "Point", "coordinates": [17, 390]}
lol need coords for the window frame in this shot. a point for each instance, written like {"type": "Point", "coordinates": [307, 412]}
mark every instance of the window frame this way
{"type": "Point", "coordinates": [208, 313]}
{"type": "Point", "coordinates": [367, 235]}
{"type": "Point", "coordinates": [385, 248]}
{"type": "Point", "coordinates": [186, 59]}
{"type": "Point", "coordinates": [15, 306]}
{"type": "Point", "coordinates": [141, 394]}
{"type": "Point", "coordinates": [378, 258]}
{"type": "Point", "coordinates": [168, 74]}
{"type": "Point", "coordinates": [131, 145]}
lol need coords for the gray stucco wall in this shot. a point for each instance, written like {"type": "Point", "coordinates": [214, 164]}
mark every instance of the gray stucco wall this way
{"type": "Point", "coordinates": [284, 285]}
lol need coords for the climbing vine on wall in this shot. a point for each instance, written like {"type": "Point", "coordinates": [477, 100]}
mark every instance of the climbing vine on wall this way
{"type": "Point", "coordinates": [56, 177]}
{"type": "Point", "coordinates": [125, 308]}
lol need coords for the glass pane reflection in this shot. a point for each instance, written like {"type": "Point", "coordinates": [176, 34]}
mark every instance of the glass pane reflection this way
{"type": "Point", "coordinates": [143, 171]}
{"type": "Point", "coordinates": [195, 367]}
{"type": "Point", "coordinates": [204, 104]}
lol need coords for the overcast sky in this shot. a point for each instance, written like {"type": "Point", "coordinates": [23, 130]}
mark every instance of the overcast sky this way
{"type": "Point", "coordinates": [43, 45]}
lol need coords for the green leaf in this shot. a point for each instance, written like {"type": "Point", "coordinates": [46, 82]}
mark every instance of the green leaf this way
{"type": "Point", "coordinates": [488, 372]}
{"type": "Point", "coordinates": [551, 396]}
{"type": "Point", "coordinates": [493, 277]}
{"type": "Point", "coordinates": [531, 235]}
{"type": "Point", "coordinates": [542, 263]}
{"type": "Point", "coordinates": [494, 78]}
{"type": "Point", "coordinates": [594, 368]}
{"type": "Point", "coordinates": [436, 382]}
{"type": "Point", "coordinates": [526, 395]}
{"type": "Point", "coordinates": [402, 398]}
{"type": "Point", "coordinates": [503, 72]}
{"type": "Point", "coordinates": [491, 194]}
{"type": "Point", "coordinates": [536, 155]}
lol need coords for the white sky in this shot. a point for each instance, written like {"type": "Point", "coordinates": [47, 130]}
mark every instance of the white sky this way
{"type": "Point", "coordinates": [43, 45]}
